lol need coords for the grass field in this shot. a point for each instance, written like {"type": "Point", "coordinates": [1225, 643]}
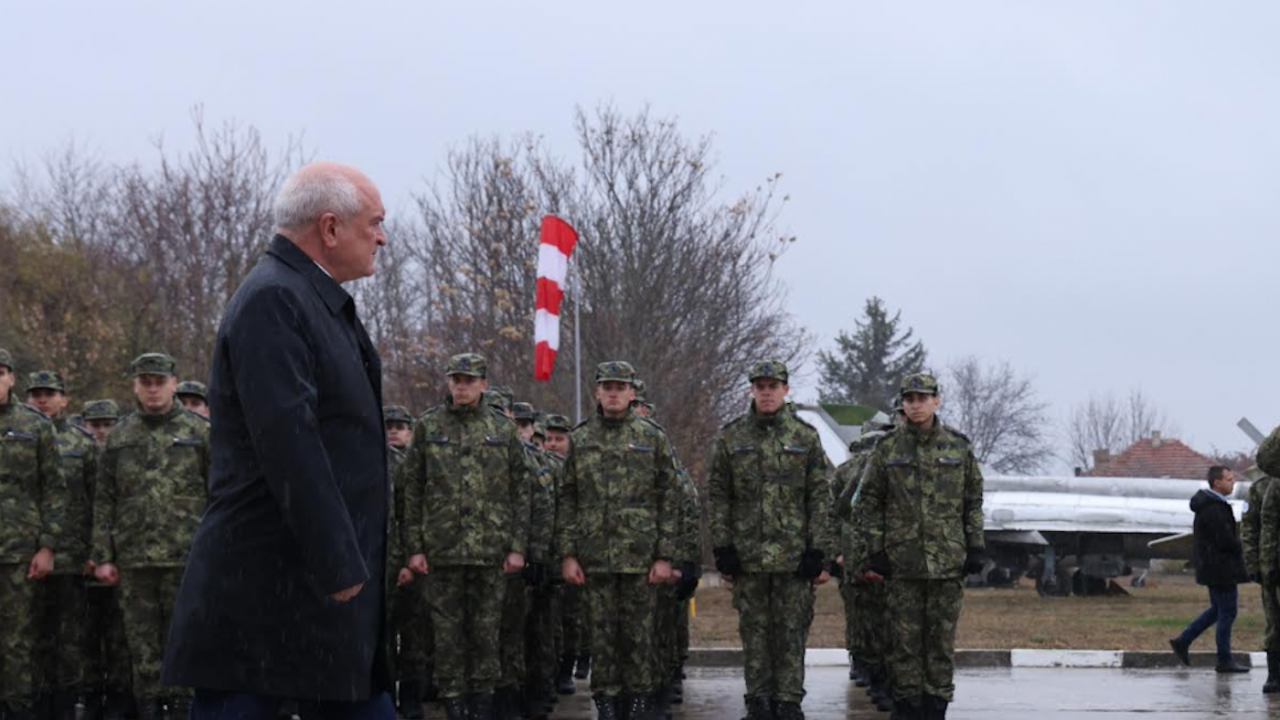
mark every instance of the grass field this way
{"type": "Point", "coordinates": [1019, 618]}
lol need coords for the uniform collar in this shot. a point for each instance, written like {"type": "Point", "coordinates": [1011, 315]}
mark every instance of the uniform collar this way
{"type": "Point", "coordinates": [334, 297]}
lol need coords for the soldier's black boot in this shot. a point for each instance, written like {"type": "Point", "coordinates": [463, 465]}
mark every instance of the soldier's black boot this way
{"type": "Point", "coordinates": [639, 707]}
{"type": "Point", "coordinates": [564, 676]}
{"type": "Point", "coordinates": [677, 687]}
{"type": "Point", "coordinates": [92, 701]}
{"type": "Point", "coordinates": [1272, 685]}
{"type": "Point", "coordinates": [606, 707]}
{"type": "Point", "coordinates": [758, 708]}
{"type": "Point", "coordinates": [411, 700]}
{"type": "Point", "coordinates": [455, 709]}
{"type": "Point", "coordinates": [584, 666]}
{"type": "Point", "coordinates": [788, 711]}
{"type": "Point", "coordinates": [908, 709]}
{"type": "Point", "coordinates": [934, 708]}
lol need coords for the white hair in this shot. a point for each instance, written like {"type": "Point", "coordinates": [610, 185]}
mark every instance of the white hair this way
{"type": "Point", "coordinates": [312, 192]}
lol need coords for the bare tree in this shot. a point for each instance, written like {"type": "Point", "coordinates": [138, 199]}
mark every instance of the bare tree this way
{"type": "Point", "coordinates": [1000, 413]}
{"type": "Point", "coordinates": [673, 278]}
{"type": "Point", "coordinates": [1104, 422]}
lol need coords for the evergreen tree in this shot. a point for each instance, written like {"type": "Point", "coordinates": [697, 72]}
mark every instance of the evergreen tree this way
{"type": "Point", "coordinates": [867, 366]}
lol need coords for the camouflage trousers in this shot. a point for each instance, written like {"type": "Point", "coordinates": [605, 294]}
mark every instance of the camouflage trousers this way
{"type": "Point", "coordinates": [511, 639]}
{"type": "Point", "coordinates": [871, 627]}
{"type": "Point", "coordinates": [852, 631]}
{"type": "Point", "coordinates": [411, 624]}
{"type": "Point", "coordinates": [922, 616]}
{"type": "Point", "coordinates": [541, 653]}
{"type": "Point", "coordinates": [620, 612]}
{"type": "Point", "coordinates": [17, 634]}
{"type": "Point", "coordinates": [146, 599]}
{"type": "Point", "coordinates": [774, 614]}
{"type": "Point", "coordinates": [666, 643]}
{"type": "Point", "coordinates": [62, 652]}
{"type": "Point", "coordinates": [1271, 608]}
{"type": "Point", "coordinates": [109, 666]}
{"type": "Point", "coordinates": [466, 619]}
{"type": "Point", "coordinates": [575, 630]}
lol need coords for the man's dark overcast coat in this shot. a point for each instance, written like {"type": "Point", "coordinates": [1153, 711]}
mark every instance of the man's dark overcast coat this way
{"type": "Point", "coordinates": [298, 498]}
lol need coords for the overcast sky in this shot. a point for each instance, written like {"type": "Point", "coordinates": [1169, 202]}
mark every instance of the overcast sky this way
{"type": "Point", "coordinates": [1088, 190]}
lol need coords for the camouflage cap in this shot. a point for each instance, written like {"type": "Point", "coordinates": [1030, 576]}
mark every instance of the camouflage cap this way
{"type": "Point", "coordinates": [523, 411]}
{"type": "Point", "coordinates": [540, 429]}
{"type": "Point", "coordinates": [396, 413]}
{"type": "Point", "coordinates": [919, 383]}
{"type": "Point", "coordinates": [154, 364]}
{"type": "Point", "coordinates": [770, 369]}
{"type": "Point", "coordinates": [558, 422]}
{"type": "Point", "coordinates": [46, 380]}
{"type": "Point", "coordinates": [6, 359]}
{"type": "Point", "coordinates": [192, 387]}
{"type": "Point", "coordinates": [101, 410]}
{"type": "Point", "coordinates": [615, 371]}
{"type": "Point", "coordinates": [495, 399]}
{"type": "Point", "coordinates": [640, 388]}
{"type": "Point", "coordinates": [467, 364]}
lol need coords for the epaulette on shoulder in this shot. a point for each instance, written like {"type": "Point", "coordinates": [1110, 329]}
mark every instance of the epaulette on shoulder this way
{"type": "Point", "coordinates": [734, 421]}
{"type": "Point", "coordinates": [802, 421]}
{"type": "Point", "coordinates": [958, 434]}
{"type": "Point", "coordinates": [498, 413]}
{"type": "Point", "coordinates": [582, 424]}
{"type": "Point", "coordinates": [653, 423]}
{"type": "Point", "coordinates": [34, 412]}
{"type": "Point", "coordinates": [198, 416]}
{"type": "Point", "coordinates": [86, 433]}
{"type": "Point", "coordinates": [431, 411]}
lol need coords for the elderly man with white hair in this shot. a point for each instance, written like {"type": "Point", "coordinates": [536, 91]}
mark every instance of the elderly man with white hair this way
{"type": "Point", "coordinates": [283, 595]}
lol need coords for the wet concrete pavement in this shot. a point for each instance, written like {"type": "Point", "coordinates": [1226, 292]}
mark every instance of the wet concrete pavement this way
{"type": "Point", "coordinates": [997, 694]}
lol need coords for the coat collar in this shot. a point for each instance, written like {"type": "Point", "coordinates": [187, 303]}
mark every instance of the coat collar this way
{"type": "Point", "coordinates": [335, 298]}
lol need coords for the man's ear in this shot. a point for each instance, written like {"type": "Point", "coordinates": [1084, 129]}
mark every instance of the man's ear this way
{"type": "Point", "coordinates": [329, 230]}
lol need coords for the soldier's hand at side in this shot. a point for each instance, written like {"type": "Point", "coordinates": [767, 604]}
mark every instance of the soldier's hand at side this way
{"type": "Point", "coordinates": [872, 576]}
{"type": "Point", "coordinates": [346, 595]}
{"type": "Point", "coordinates": [840, 560]}
{"type": "Point", "coordinates": [41, 564]}
{"type": "Point", "coordinates": [89, 567]}
{"type": "Point", "coordinates": [107, 574]}
{"type": "Point", "coordinates": [513, 564]}
{"type": "Point", "coordinates": [660, 573]}
{"type": "Point", "coordinates": [418, 564]}
{"type": "Point", "coordinates": [571, 571]}
{"type": "Point", "coordinates": [822, 578]}
{"type": "Point", "coordinates": [404, 577]}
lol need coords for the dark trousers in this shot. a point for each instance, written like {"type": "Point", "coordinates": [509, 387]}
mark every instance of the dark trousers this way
{"type": "Point", "coordinates": [217, 705]}
{"type": "Point", "coordinates": [1222, 610]}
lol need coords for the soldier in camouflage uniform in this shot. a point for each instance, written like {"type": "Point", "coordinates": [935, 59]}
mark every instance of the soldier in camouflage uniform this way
{"type": "Point", "coordinates": [572, 638]}
{"type": "Point", "coordinates": [535, 669]}
{"type": "Point", "coordinates": [152, 489]}
{"type": "Point", "coordinates": [770, 504]}
{"type": "Point", "coordinates": [31, 528]}
{"type": "Point", "coordinates": [466, 494]}
{"type": "Point", "coordinates": [616, 531]}
{"type": "Point", "coordinates": [62, 665]}
{"type": "Point", "coordinates": [675, 638]}
{"type": "Point", "coordinates": [194, 396]}
{"type": "Point", "coordinates": [110, 679]}
{"type": "Point", "coordinates": [1262, 528]}
{"type": "Point", "coordinates": [410, 619]}
{"type": "Point", "coordinates": [864, 593]}
{"type": "Point", "coordinates": [923, 470]}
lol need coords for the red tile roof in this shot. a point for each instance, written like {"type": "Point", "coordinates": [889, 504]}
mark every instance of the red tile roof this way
{"type": "Point", "coordinates": [1156, 458]}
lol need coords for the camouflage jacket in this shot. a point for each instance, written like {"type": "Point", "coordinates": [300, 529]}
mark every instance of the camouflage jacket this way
{"type": "Point", "coordinates": [29, 469]}
{"type": "Point", "coordinates": [688, 545]}
{"type": "Point", "coordinates": [1269, 454]}
{"type": "Point", "coordinates": [770, 491]}
{"type": "Point", "coordinates": [395, 519]}
{"type": "Point", "coordinates": [152, 489]}
{"type": "Point", "coordinates": [542, 506]}
{"type": "Point", "coordinates": [465, 483]}
{"type": "Point", "coordinates": [555, 464]}
{"type": "Point", "coordinates": [847, 506]}
{"type": "Point", "coordinates": [923, 502]}
{"type": "Point", "coordinates": [1251, 524]}
{"type": "Point", "coordinates": [616, 500]}
{"type": "Point", "coordinates": [1269, 530]}
{"type": "Point", "coordinates": [78, 456]}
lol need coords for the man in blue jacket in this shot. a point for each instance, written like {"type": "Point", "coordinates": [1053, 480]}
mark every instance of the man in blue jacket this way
{"type": "Point", "coordinates": [1219, 560]}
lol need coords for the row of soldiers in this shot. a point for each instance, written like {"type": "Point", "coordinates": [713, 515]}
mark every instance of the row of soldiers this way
{"type": "Point", "coordinates": [521, 548]}
{"type": "Point", "coordinates": [492, 499]}
{"type": "Point", "coordinates": [97, 511]}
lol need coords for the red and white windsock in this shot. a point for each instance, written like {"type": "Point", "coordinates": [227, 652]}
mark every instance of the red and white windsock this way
{"type": "Point", "coordinates": [555, 246]}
